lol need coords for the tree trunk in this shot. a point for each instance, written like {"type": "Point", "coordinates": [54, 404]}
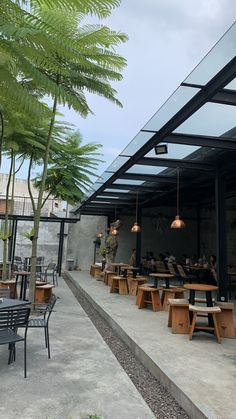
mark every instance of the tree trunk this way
{"type": "Point", "coordinates": [5, 272]}
{"type": "Point", "coordinates": [37, 210]}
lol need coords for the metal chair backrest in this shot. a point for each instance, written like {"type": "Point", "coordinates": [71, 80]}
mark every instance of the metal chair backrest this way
{"type": "Point", "coordinates": [160, 266]}
{"type": "Point", "coordinates": [4, 292]}
{"type": "Point", "coordinates": [49, 307]}
{"type": "Point", "coordinates": [181, 271]}
{"type": "Point", "coordinates": [13, 318]}
{"type": "Point", "coordinates": [171, 268]}
{"type": "Point", "coordinates": [51, 266]}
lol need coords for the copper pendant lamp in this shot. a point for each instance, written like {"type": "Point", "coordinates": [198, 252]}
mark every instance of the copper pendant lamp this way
{"type": "Point", "coordinates": [178, 223]}
{"type": "Point", "coordinates": [136, 227]}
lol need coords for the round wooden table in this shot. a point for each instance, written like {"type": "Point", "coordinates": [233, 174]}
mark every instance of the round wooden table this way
{"type": "Point", "coordinates": [193, 288]}
{"type": "Point", "coordinates": [118, 265]}
{"type": "Point", "coordinates": [203, 288]}
{"type": "Point", "coordinates": [161, 275]}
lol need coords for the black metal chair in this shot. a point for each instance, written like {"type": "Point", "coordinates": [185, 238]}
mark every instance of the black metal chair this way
{"type": "Point", "coordinates": [43, 321]}
{"type": "Point", "coordinates": [10, 320]}
{"type": "Point", "coordinates": [51, 271]}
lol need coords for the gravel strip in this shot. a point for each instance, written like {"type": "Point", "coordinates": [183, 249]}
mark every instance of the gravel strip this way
{"type": "Point", "coordinates": [153, 392]}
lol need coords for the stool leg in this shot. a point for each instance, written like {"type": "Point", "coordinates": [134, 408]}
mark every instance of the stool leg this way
{"type": "Point", "coordinates": [143, 296]}
{"type": "Point", "coordinates": [216, 330]}
{"type": "Point", "coordinates": [156, 301]}
{"type": "Point", "coordinates": [170, 317]}
{"type": "Point", "coordinates": [191, 330]}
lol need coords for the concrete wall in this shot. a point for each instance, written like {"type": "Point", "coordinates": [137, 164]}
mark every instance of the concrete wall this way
{"type": "Point", "coordinates": [80, 246]}
{"type": "Point", "coordinates": [47, 243]}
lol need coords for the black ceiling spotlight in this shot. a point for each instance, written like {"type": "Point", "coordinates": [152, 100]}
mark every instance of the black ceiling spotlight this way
{"type": "Point", "coordinates": [161, 149]}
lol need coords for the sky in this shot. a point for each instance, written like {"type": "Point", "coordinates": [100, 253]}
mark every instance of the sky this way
{"type": "Point", "coordinates": [167, 39]}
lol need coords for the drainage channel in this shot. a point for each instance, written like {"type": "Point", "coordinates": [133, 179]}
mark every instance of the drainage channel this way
{"type": "Point", "coordinates": [160, 401]}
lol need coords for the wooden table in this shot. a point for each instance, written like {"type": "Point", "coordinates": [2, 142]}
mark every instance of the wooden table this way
{"type": "Point", "coordinates": [193, 288]}
{"type": "Point", "coordinates": [160, 275]}
{"type": "Point", "coordinates": [118, 265]}
{"type": "Point", "coordinates": [130, 268]}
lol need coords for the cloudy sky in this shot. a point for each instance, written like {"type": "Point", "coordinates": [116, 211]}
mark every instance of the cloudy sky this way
{"type": "Point", "coordinates": [167, 39]}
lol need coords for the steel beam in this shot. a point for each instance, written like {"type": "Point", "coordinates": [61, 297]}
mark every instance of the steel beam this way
{"type": "Point", "coordinates": [226, 97]}
{"type": "Point", "coordinates": [223, 143]}
{"type": "Point", "coordinates": [184, 164]}
{"type": "Point", "coordinates": [134, 188]}
{"type": "Point", "coordinates": [148, 178]}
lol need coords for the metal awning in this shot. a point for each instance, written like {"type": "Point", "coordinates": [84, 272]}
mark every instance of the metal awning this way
{"type": "Point", "coordinates": [198, 123]}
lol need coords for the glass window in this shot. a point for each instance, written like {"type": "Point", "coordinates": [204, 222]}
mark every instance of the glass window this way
{"type": "Point", "coordinates": [215, 60]}
{"type": "Point", "coordinates": [108, 197]}
{"type": "Point", "coordinates": [212, 119]}
{"type": "Point", "coordinates": [231, 85]}
{"type": "Point", "coordinates": [175, 102]}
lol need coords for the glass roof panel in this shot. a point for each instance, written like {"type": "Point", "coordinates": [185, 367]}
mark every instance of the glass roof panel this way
{"type": "Point", "coordinates": [215, 60]}
{"type": "Point", "coordinates": [175, 151]}
{"type": "Point", "coordinates": [211, 119]}
{"type": "Point", "coordinates": [116, 190]}
{"type": "Point", "coordinates": [231, 85]}
{"type": "Point", "coordinates": [97, 185]}
{"type": "Point", "coordinates": [117, 163]}
{"type": "Point", "coordinates": [108, 197]}
{"type": "Point", "coordinates": [138, 141]}
{"type": "Point", "coordinates": [127, 182]}
{"type": "Point", "coordinates": [144, 169]}
{"type": "Point", "coordinates": [175, 102]}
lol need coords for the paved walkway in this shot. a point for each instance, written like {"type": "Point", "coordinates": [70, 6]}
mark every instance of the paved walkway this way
{"type": "Point", "coordinates": [199, 373]}
{"type": "Point", "coordinates": [82, 377]}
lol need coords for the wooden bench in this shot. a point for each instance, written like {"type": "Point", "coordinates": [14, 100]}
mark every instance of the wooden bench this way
{"type": "Point", "coordinates": [171, 293]}
{"type": "Point", "coordinates": [119, 285]}
{"type": "Point", "coordinates": [225, 319]}
{"type": "Point", "coordinates": [213, 311]}
{"type": "Point", "coordinates": [179, 315]}
{"type": "Point", "coordinates": [134, 283]}
{"type": "Point", "coordinates": [149, 295]}
{"type": "Point", "coordinates": [43, 293]}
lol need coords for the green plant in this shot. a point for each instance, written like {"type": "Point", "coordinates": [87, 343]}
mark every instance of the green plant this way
{"type": "Point", "coordinates": [29, 234]}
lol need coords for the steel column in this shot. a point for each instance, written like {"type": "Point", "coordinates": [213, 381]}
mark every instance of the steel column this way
{"type": "Point", "coordinates": [60, 248]}
{"type": "Point", "coordinates": [139, 239]}
{"type": "Point", "coordinates": [221, 237]}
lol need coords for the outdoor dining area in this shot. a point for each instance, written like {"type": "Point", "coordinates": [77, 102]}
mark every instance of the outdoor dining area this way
{"type": "Point", "coordinates": [16, 311]}
{"type": "Point", "coordinates": [177, 289]}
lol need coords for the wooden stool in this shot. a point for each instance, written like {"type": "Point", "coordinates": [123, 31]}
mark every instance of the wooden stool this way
{"type": "Point", "coordinates": [11, 284]}
{"type": "Point", "coordinates": [171, 293]}
{"type": "Point", "coordinates": [95, 271]}
{"type": "Point", "coordinates": [43, 293]}
{"type": "Point", "coordinates": [225, 320]}
{"type": "Point", "coordinates": [134, 283]}
{"type": "Point", "coordinates": [119, 285]}
{"type": "Point", "coordinates": [213, 311]}
{"type": "Point", "coordinates": [108, 277]}
{"type": "Point", "coordinates": [179, 315]}
{"type": "Point", "coordinates": [149, 295]}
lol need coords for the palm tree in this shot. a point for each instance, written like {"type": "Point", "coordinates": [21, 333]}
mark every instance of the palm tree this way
{"type": "Point", "coordinates": [45, 49]}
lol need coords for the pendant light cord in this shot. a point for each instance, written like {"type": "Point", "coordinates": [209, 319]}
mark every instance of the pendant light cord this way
{"type": "Point", "coordinates": [177, 190]}
{"type": "Point", "coordinates": [137, 208]}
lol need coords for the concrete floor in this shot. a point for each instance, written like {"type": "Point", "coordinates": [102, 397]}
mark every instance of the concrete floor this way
{"type": "Point", "coordinates": [200, 373]}
{"type": "Point", "coordinates": [82, 377]}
